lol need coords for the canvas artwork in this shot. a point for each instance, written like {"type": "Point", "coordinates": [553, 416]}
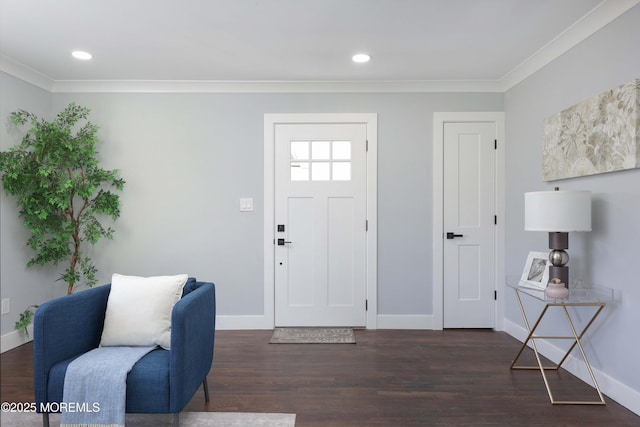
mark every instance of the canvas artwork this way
{"type": "Point", "coordinates": [599, 135]}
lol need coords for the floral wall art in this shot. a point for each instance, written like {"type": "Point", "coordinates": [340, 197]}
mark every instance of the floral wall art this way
{"type": "Point", "coordinates": [601, 134]}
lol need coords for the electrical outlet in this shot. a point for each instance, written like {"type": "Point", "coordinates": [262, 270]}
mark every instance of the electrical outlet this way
{"type": "Point", "coordinates": [6, 306]}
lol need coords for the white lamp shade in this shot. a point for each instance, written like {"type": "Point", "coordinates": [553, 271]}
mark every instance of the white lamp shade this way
{"type": "Point", "coordinates": [562, 211]}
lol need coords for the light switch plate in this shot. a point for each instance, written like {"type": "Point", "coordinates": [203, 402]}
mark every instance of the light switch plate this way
{"type": "Point", "coordinates": [246, 204]}
{"type": "Point", "coordinates": [6, 306]}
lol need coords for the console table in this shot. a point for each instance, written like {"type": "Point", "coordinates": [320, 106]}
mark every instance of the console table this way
{"type": "Point", "coordinates": [595, 298]}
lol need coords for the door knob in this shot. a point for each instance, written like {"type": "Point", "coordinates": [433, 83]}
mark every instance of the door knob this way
{"type": "Point", "coordinates": [451, 235]}
{"type": "Point", "coordinates": [282, 242]}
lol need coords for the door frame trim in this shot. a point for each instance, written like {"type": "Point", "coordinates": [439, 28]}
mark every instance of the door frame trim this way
{"type": "Point", "coordinates": [439, 119]}
{"type": "Point", "coordinates": [270, 123]}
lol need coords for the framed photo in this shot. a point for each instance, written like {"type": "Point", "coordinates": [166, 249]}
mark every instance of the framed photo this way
{"type": "Point", "coordinates": [536, 271]}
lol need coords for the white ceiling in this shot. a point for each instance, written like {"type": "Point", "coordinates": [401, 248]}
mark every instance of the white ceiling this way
{"type": "Point", "coordinates": [482, 43]}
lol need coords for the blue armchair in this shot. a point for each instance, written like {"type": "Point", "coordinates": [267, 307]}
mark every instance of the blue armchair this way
{"type": "Point", "coordinates": [163, 381]}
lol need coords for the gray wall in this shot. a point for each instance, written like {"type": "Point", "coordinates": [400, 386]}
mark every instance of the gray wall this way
{"type": "Point", "coordinates": [610, 254]}
{"type": "Point", "coordinates": [189, 158]}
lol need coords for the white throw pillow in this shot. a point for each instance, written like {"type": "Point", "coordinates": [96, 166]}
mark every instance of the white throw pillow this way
{"type": "Point", "coordinates": [139, 310]}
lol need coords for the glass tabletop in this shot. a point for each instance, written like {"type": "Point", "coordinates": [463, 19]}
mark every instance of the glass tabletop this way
{"type": "Point", "coordinates": [576, 295]}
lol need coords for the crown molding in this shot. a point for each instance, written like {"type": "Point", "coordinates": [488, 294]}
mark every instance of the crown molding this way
{"type": "Point", "coordinates": [25, 73]}
{"type": "Point", "coordinates": [601, 15]}
{"type": "Point", "coordinates": [184, 86]}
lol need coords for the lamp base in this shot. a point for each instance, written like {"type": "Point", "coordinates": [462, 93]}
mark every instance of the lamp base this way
{"type": "Point", "coordinates": [562, 273]}
{"type": "Point", "coordinates": [558, 242]}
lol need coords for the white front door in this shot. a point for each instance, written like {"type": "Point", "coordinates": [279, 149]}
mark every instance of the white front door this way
{"type": "Point", "coordinates": [320, 224]}
{"type": "Point", "coordinates": [469, 193]}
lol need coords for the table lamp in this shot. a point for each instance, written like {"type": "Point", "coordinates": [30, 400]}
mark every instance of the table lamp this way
{"type": "Point", "coordinates": [558, 212]}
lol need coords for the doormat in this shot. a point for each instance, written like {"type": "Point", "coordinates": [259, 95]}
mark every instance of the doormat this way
{"type": "Point", "coordinates": [313, 336]}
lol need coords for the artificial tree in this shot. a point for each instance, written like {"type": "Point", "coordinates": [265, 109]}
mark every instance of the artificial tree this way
{"type": "Point", "coordinates": [62, 193]}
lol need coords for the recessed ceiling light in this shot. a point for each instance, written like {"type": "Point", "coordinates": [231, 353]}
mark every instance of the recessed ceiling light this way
{"type": "Point", "coordinates": [361, 58]}
{"type": "Point", "coordinates": [78, 54]}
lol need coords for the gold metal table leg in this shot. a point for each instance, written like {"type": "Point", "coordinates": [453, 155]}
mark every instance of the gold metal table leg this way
{"type": "Point", "coordinates": [576, 342]}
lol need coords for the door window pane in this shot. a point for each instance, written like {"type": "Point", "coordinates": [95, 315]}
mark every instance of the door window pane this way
{"type": "Point", "coordinates": [320, 171]}
{"type": "Point", "coordinates": [321, 150]}
{"type": "Point", "coordinates": [342, 171]}
{"type": "Point", "coordinates": [299, 171]}
{"type": "Point", "coordinates": [341, 150]}
{"type": "Point", "coordinates": [299, 150]}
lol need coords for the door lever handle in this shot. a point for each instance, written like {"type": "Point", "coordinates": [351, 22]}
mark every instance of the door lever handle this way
{"type": "Point", "coordinates": [282, 242]}
{"type": "Point", "coordinates": [451, 235]}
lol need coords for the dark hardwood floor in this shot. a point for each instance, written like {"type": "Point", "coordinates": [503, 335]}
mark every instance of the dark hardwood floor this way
{"type": "Point", "coordinates": [389, 378]}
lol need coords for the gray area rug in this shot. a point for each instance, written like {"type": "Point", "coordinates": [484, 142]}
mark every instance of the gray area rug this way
{"type": "Point", "coordinates": [313, 336]}
{"type": "Point", "coordinates": [187, 419]}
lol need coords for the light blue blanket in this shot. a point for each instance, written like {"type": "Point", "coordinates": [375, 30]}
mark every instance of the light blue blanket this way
{"type": "Point", "coordinates": [95, 387]}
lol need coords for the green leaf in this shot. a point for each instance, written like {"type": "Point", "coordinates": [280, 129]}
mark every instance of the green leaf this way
{"type": "Point", "coordinates": [62, 195]}
{"type": "Point", "coordinates": [26, 317]}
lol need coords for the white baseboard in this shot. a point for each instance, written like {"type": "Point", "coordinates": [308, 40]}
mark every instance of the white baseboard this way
{"type": "Point", "coordinates": [614, 389]}
{"type": "Point", "coordinates": [243, 322]}
{"type": "Point", "coordinates": [392, 321]}
{"type": "Point", "coordinates": [384, 321]}
{"type": "Point", "coordinates": [15, 339]}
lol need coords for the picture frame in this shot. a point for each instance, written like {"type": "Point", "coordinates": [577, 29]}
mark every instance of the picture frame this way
{"type": "Point", "coordinates": [536, 271]}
